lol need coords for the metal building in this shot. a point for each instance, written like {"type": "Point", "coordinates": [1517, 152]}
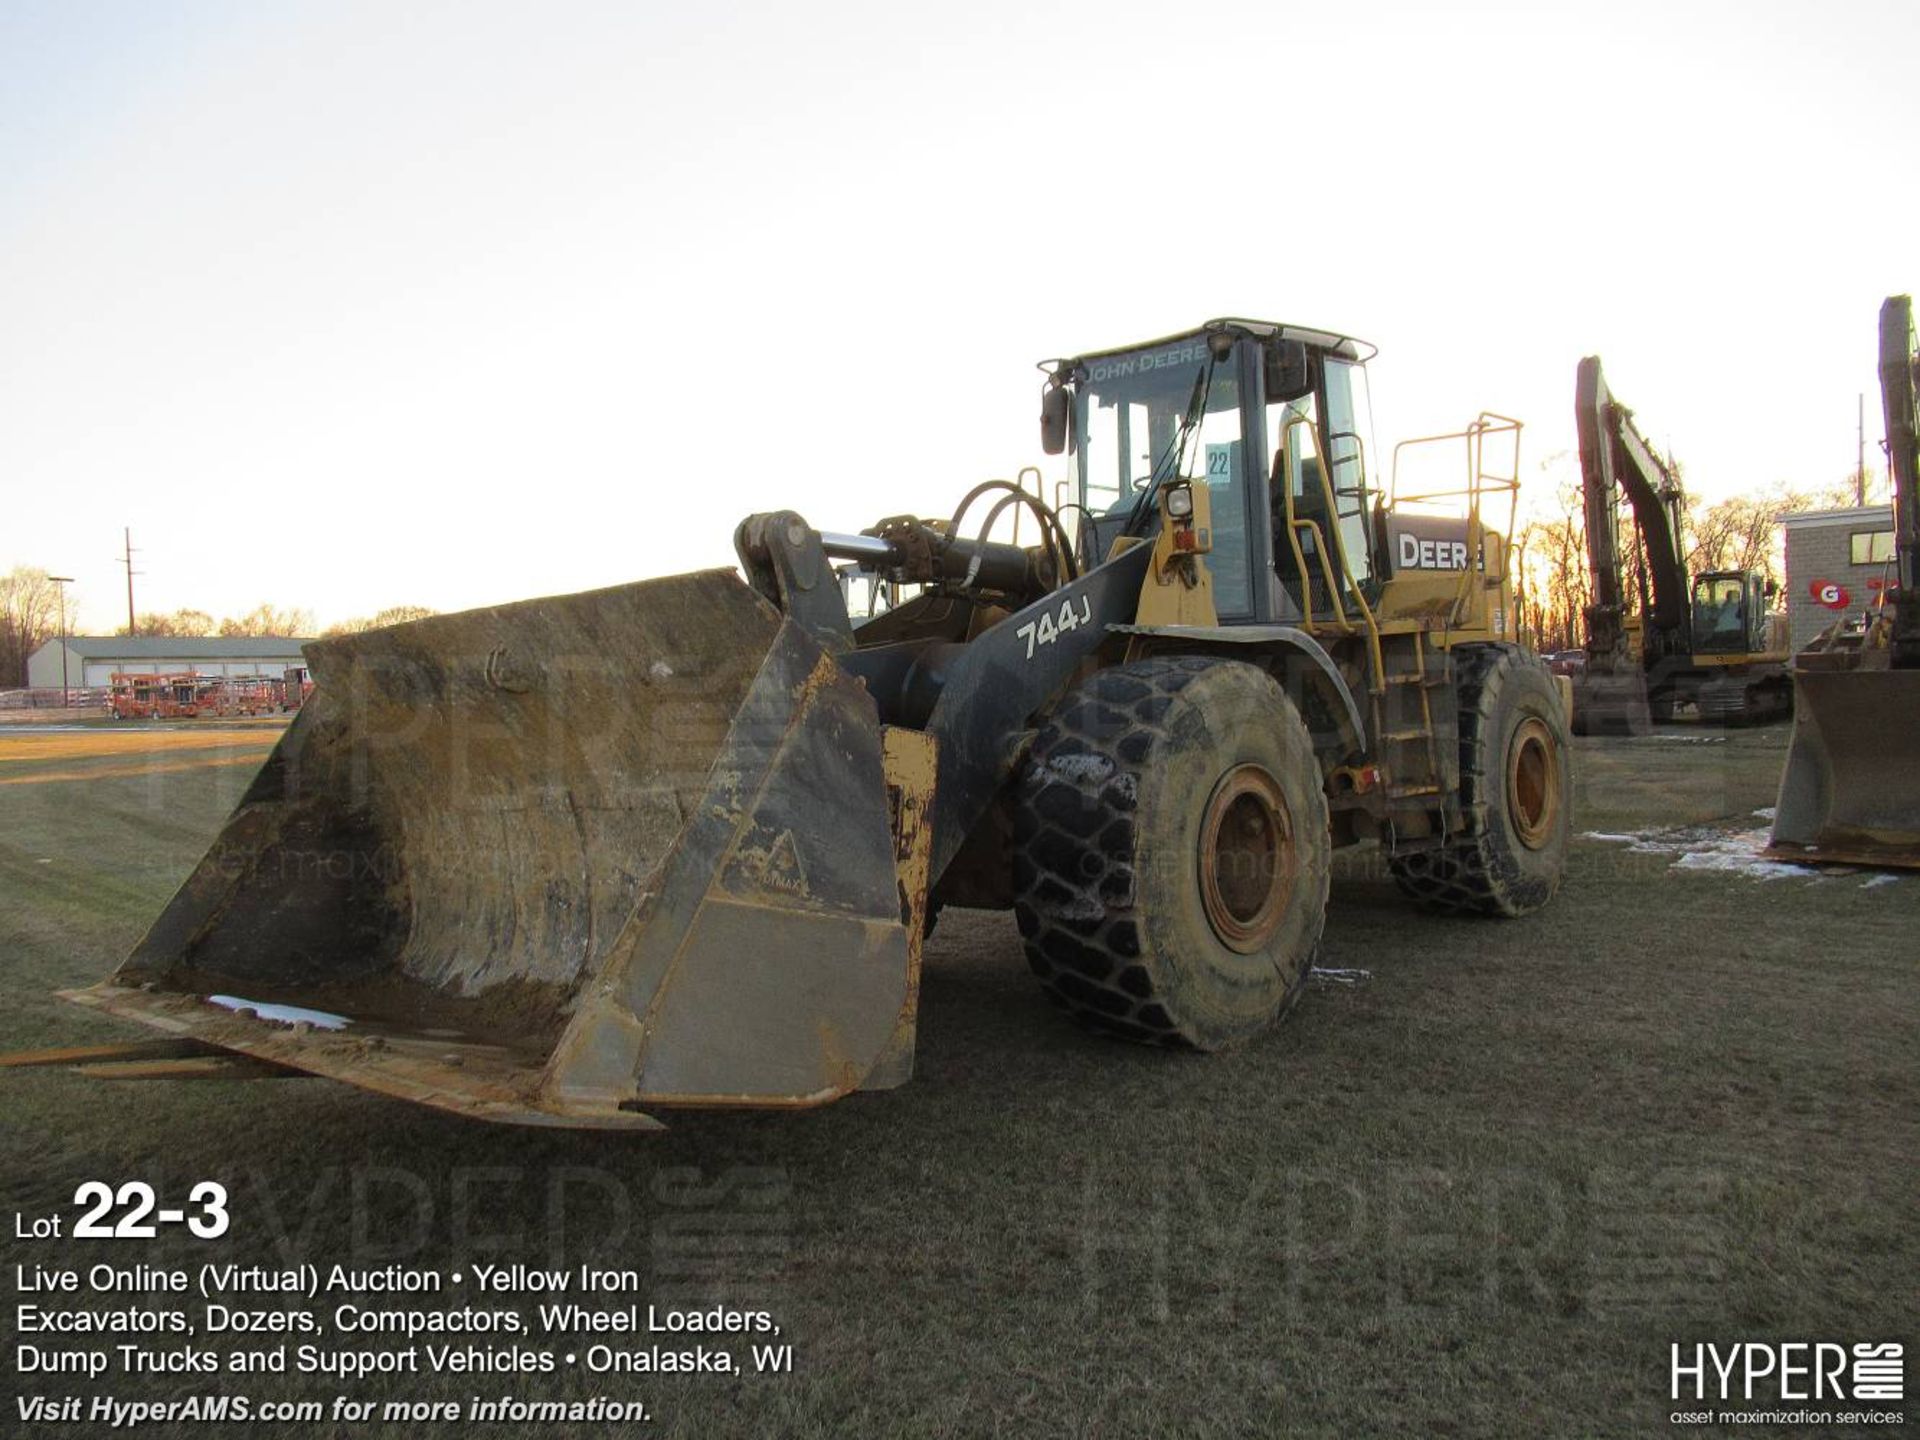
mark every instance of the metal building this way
{"type": "Point", "coordinates": [93, 660]}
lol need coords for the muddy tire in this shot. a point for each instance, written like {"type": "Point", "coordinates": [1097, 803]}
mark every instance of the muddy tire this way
{"type": "Point", "coordinates": [1171, 852]}
{"type": "Point", "coordinates": [1516, 788]}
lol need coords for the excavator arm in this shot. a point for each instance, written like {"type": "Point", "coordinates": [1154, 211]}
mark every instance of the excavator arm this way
{"type": "Point", "coordinates": [1616, 457]}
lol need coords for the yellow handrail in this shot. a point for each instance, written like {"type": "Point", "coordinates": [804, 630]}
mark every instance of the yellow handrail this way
{"type": "Point", "coordinates": [1306, 587]}
{"type": "Point", "coordinates": [1480, 481]}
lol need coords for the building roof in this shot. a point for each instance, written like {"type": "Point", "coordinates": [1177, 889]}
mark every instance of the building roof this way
{"type": "Point", "coordinates": [1849, 515]}
{"type": "Point", "coordinates": [179, 647]}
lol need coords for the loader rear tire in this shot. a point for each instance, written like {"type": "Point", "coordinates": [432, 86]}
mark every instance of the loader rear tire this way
{"type": "Point", "coordinates": [1516, 788]}
{"type": "Point", "coordinates": [1171, 852]}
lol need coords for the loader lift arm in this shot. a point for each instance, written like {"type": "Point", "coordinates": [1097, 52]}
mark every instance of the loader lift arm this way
{"type": "Point", "coordinates": [1899, 399]}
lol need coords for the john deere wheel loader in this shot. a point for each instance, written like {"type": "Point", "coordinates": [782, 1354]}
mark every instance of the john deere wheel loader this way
{"type": "Point", "coordinates": [676, 843]}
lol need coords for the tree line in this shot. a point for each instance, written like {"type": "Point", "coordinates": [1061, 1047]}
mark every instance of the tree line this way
{"type": "Point", "coordinates": [1741, 532]}
{"type": "Point", "coordinates": [30, 616]}
{"type": "Point", "coordinates": [269, 620]}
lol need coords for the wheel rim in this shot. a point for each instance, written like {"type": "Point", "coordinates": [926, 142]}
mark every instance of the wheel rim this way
{"type": "Point", "coordinates": [1533, 783]}
{"type": "Point", "coordinates": [1246, 858]}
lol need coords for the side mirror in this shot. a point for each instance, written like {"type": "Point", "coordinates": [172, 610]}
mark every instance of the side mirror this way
{"type": "Point", "coordinates": [1289, 370]}
{"type": "Point", "coordinates": [1773, 587]}
{"type": "Point", "coordinates": [1053, 418]}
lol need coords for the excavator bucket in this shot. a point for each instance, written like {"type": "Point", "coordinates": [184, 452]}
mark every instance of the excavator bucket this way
{"type": "Point", "coordinates": [1851, 789]}
{"type": "Point", "coordinates": [563, 861]}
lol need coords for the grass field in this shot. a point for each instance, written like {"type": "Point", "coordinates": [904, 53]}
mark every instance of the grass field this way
{"type": "Point", "coordinates": [1475, 1190]}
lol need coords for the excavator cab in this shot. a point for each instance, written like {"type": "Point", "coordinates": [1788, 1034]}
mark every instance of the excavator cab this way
{"type": "Point", "coordinates": [1729, 613]}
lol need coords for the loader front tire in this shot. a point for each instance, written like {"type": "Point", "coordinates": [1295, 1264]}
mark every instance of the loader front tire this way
{"type": "Point", "coordinates": [1171, 852]}
{"type": "Point", "coordinates": [1516, 789]}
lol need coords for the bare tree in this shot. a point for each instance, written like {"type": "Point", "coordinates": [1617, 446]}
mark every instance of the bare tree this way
{"type": "Point", "coordinates": [29, 617]}
{"type": "Point", "coordinates": [179, 623]}
{"type": "Point", "coordinates": [392, 615]}
{"type": "Point", "coordinates": [1556, 586]}
{"type": "Point", "coordinates": [269, 620]}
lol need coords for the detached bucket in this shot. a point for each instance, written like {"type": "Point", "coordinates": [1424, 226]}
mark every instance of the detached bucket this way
{"type": "Point", "coordinates": [1851, 790]}
{"type": "Point", "coordinates": [557, 861]}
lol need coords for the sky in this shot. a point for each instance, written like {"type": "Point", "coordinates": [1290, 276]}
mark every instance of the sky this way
{"type": "Point", "coordinates": [344, 306]}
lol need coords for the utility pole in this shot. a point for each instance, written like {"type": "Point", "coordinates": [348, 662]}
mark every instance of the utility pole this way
{"type": "Point", "coordinates": [63, 581]}
{"type": "Point", "coordinates": [127, 561]}
{"type": "Point", "coordinates": [1860, 468]}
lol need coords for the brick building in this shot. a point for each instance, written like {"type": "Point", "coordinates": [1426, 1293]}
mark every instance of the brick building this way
{"type": "Point", "coordinates": [1851, 549]}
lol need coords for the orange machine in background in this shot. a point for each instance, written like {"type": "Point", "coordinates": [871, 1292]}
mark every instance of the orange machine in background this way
{"type": "Point", "coordinates": [190, 695]}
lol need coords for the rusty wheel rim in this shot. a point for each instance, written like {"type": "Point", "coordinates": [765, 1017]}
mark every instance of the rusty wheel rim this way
{"type": "Point", "coordinates": [1533, 783]}
{"type": "Point", "coordinates": [1246, 858]}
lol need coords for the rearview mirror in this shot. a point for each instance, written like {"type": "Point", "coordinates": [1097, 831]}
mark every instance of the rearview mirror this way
{"type": "Point", "coordinates": [1289, 370]}
{"type": "Point", "coordinates": [1053, 418]}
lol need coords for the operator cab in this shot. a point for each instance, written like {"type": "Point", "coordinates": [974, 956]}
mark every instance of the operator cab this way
{"type": "Point", "coordinates": [1270, 418]}
{"type": "Point", "coordinates": [1729, 613]}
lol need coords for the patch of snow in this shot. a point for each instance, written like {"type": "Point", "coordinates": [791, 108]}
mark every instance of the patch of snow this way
{"type": "Point", "coordinates": [1701, 847]}
{"type": "Point", "coordinates": [1736, 863]}
{"type": "Point", "coordinates": [1875, 881]}
{"type": "Point", "coordinates": [1090, 773]}
{"type": "Point", "coordinates": [1339, 976]}
{"type": "Point", "coordinates": [280, 1014]}
{"type": "Point", "coordinates": [1766, 814]}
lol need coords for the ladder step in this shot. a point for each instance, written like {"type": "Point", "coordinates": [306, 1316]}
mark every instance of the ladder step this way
{"type": "Point", "coordinates": [1407, 735]}
{"type": "Point", "coordinates": [1402, 792]}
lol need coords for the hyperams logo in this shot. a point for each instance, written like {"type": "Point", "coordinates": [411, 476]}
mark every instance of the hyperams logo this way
{"type": "Point", "coordinates": [1749, 1374]}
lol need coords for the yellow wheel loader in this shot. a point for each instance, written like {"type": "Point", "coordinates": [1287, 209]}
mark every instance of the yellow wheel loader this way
{"type": "Point", "coordinates": [1851, 789]}
{"type": "Point", "coordinates": [582, 859]}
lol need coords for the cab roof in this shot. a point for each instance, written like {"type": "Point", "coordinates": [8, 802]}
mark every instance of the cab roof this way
{"type": "Point", "coordinates": [1344, 346]}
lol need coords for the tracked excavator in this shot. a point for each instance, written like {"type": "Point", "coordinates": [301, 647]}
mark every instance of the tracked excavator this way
{"type": "Point", "coordinates": [1851, 789]}
{"type": "Point", "coordinates": [581, 860]}
{"type": "Point", "coordinates": [1699, 641]}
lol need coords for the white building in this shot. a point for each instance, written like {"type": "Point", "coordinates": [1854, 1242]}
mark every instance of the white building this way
{"type": "Point", "coordinates": [93, 660]}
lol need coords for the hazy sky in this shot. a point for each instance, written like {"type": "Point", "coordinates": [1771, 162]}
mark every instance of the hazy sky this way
{"type": "Point", "coordinates": [344, 306]}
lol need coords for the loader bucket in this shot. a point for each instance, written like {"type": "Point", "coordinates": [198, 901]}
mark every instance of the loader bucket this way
{"type": "Point", "coordinates": [561, 861]}
{"type": "Point", "coordinates": [1851, 789]}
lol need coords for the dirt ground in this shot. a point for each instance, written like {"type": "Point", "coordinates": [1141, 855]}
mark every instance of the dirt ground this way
{"type": "Point", "coordinates": [1476, 1184]}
